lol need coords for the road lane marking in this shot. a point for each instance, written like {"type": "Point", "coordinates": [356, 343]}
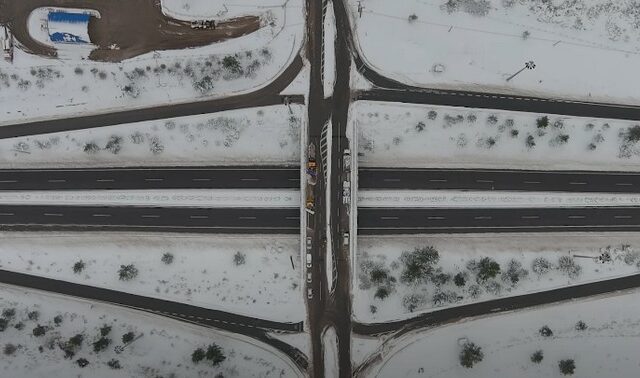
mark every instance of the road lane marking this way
{"type": "Point", "coordinates": [249, 179]}
{"type": "Point", "coordinates": [437, 180]}
{"type": "Point", "coordinates": [199, 216]}
{"type": "Point", "coordinates": [624, 184]}
{"type": "Point", "coordinates": [482, 218]}
{"type": "Point", "coordinates": [105, 180]}
{"type": "Point", "coordinates": [57, 180]}
{"type": "Point", "coordinates": [52, 214]}
{"type": "Point", "coordinates": [7, 214]}
{"type": "Point", "coordinates": [101, 215]}
{"type": "Point", "coordinates": [292, 218]}
{"type": "Point", "coordinates": [201, 179]}
{"type": "Point", "coordinates": [154, 179]}
{"type": "Point", "coordinates": [530, 217]}
{"type": "Point", "coordinates": [485, 181]}
{"type": "Point", "coordinates": [8, 181]}
{"type": "Point", "coordinates": [389, 218]}
{"type": "Point", "coordinates": [392, 180]}
{"type": "Point", "coordinates": [576, 217]}
{"type": "Point", "coordinates": [622, 216]}
{"type": "Point", "coordinates": [532, 182]}
{"type": "Point", "coordinates": [150, 216]}
{"type": "Point", "coordinates": [577, 183]}
{"type": "Point", "coordinates": [435, 218]}
{"type": "Point", "coordinates": [247, 218]}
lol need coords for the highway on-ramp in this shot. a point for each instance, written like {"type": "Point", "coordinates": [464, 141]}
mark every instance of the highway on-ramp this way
{"type": "Point", "coordinates": [159, 219]}
{"type": "Point", "coordinates": [223, 177]}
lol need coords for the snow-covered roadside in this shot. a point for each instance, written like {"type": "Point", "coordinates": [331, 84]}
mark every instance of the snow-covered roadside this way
{"type": "Point", "coordinates": [397, 135]}
{"type": "Point", "coordinates": [250, 275]}
{"type": "Point", "coordinates": [38, 88]}
{"type": "Point", "coordinates": [607, 347]}
{"type": "Point", "coordinates": [329, 39]}
{"type": "Point", "coordinates": [164, 349]}
{"type": "Point", "coordinates": [330, 345]}
{"type": "Point", "coordinates": [459, 273]}
{"type": "Point", "coordinates": [253, 136]}
{"type": "Point", "coordinates": [203, 198]}
{"type": "Point", "coordinates": [206, 9]}
{"type": "Point", "coordinates": [483, 199]}
{"type": "Point", "coordinates": [578, 47]}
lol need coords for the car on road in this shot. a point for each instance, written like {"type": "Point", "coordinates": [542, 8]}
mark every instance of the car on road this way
{"type": "Point", "coordinates": [308, 243]}
{"type": "Point", "coordinates": [309, 293]}
{"type": "Point", "coordinates": [308, 261]}
{"type": "Point", "coordinates": [345, 239]}
{"type": "Point", "coordinates": [309, 276]}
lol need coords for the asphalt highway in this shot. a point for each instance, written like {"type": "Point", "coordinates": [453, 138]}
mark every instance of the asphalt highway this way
{"type": "Point", "coordinates": [408, 221]}
{"type": "Point", "coordinates": [487, 179]}
{"type": "Point", "coordinates": [175, 219]}
{"type": "Point", "coordinates": [151, 178]}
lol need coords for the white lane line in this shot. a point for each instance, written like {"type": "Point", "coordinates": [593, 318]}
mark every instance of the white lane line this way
{"type": "Point", "coordinates": [435, 218]}
{"type": "Point", "coordinates": [247, 218]}
{"type": "Point", "coordinates": [292, 218]}
{"type": "Point", "coordinates": [101, 215]}
{"type": "Point", "coordinates": [7, 214]}
{"type": "Point", "coordinates": [577, 183]}
{"type": "Point", "coordinates": [576, 217]}
{"type": "Point", "coordinates": [389, 218]}
{"type": "Point", "coordinates": [7, 181]}
{"type": "Point", "coordinates": [530, 217]}
{"type": "Point", "coordinates": [622, 216]}
{"type": "Point", "coordinates": [391, 180]}
{"type": "Point", "coordinates": [154, 179]}
{"type": "Point", "coordinates": [199, 216]}
{"type": "Point", "coordinates": [624, 184]}
{"type": "Point", "coordinates": [532, 182]}
{"type": "Point", "coordinates": [150, 216]}
{"type": "Point", "coordinates": [481, 218]}
{"type": "Point", "coordinates": [105, 180]}
{"type": "Point", "coordinates": [201, 179]}
{"type": "Point", "coordinates": [52, 214]}
{"type": "Point", "coordinates": [437, 180]}
{"type": "Point", "coordinates": [249, 179]}
{"type": "Point", "coordinates": [294, 179]}
{"type": "Point", "coordinates": [485, 181]}
{"type": "Point", "coordinates": [57, 180]}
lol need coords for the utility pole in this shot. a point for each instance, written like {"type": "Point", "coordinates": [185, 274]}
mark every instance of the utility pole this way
{"type": "Point", "coordinates": [527, 66]}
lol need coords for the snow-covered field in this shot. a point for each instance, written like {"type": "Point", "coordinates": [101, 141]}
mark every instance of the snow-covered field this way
{"type": "Point", "coordinates": [164, 350]}
{"type": "Point", "coordinates": [398, 135]}
{"type": "Point", "coordinates": [34, 87]}
{"type": "Point", "coordinates": [254, 136]}
{"type": "Point", "coordinates": [251, 275]}
{"type": "Point", "coordinates": [485, 199]}
{"type": "Point", "coordinates": [527, 263]}
{"type": "Point", "coordinates": [585, 49]}
{"type": "Point", "coordinates": [608, 347]}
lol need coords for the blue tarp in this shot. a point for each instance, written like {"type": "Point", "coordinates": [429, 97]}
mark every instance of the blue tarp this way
{"type": "Point", "coordinates": [66, 38]}
{"type": "Point", "coordinates": [69, 17]}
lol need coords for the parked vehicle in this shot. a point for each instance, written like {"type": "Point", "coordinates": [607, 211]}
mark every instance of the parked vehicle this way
{"type": "Point", "coordinates": [309, 293]}
{"type": "Point", "coordinates": [345, 239]}
{"type": "Point", "coordinates": [309, 277]}
{"type": "Point", "coordinates": [308, 261]}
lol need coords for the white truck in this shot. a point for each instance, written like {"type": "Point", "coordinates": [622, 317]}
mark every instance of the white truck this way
{"type": "Point", "coordinates": [6, 39]}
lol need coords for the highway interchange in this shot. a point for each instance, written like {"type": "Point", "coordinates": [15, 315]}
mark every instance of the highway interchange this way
{"type": "Point", "coordinates": [331, 302]}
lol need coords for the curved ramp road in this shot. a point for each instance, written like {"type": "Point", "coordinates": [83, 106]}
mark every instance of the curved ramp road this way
{"type": "Point", "coordinates": [489, 179]}
{"type": "Point", "coordinates": [372, 221]}
{"type": "Point", "coordinates": [227, 177]}
{"type": "Point", "coordinates": [175, 219]}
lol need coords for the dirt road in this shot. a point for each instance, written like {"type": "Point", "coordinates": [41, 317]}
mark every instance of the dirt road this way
{"type": "Point", "coordinates": [134, 26]}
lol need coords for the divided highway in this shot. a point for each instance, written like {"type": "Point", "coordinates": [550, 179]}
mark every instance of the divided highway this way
{"type": "Point", "coordinates": [174, 219]}
{"type": "Point", "coordinates": [227, 177]}
{"type": "Point", "coordinates": [494, 179]}
{"type": "Point", "coordinates": [429, 221]}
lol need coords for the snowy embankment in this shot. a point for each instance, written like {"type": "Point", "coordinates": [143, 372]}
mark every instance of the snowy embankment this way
{"type": "Point", "coordinates": [250, 275]}
{"type": "Point", "coordinates": [164, 349]}
{"type": "Point", "coordinates": [330, 348]}
{"type": "Point", "coordinates": [254, 136]}
{"type": "Point", "coordinates": [605, 344]}
{"type": "Point", "coordinates": [579, 47]}
{"type": "Point", "coordinates": [482, 199]}
{"type": "Point", "coordinates": [328, 42]}
{"type": "Point", "coordinates": [213, 10]}
{"type": "Point", "coordinates": [401, 135]}
{"type": "Point", "coordinates": [35, 88]}
{"type": "Point", "coordinates": [400, 277]}
{"type": "Point", "coordinates": [202, 198]}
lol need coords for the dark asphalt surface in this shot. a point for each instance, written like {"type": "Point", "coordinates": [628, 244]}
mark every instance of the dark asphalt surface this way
{"type": "Point", "coordinates": [490, 179]}
{"type": "Point", "coordinates": [454, 314]}
{"type": "Point", "coordinates": [160, 219]}
{"type": "Point", "coordinates": [227, 177]}
{"type": "Point", "coordinates": [429, 221]}
{"type": "Point", "coordinates": [269, 95]}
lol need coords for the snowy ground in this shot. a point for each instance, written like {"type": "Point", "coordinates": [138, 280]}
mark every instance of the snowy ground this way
{"type": "Point", "coordinates": [164, 349]}
{"type": "Point", "coordinates": [329, 343]}
{"type": "Point", "coordinates": [207, 9]}
{"type": "Point", "coordinates": [202, 198]}
{"type": "Point", "coordinates": [329, 53]}
{"type": "Point", "coordinates": [398, 135]}
{"type": "Point", "coordinates": [254, 136]}
{"type": "Point", "coordinates": [34, 87]}
{"type": "Point", "coordinates": [440, 289]}
{"type": "Point", "coordinates": [203, 272]}
{"type": "Point", "coordinates": [586, 49]}
{"type": "Point", "coordinates": [486, 199]}
{"type": "Point", "coordinates": [606, 348]}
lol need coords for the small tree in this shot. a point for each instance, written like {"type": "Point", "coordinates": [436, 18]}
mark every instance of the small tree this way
{"type": "Point", "coordinates": [128, 337]}
{"type": "Point", "coordinates": [78, 266]}
{"type": "Point", "coordinates": [114, 364]}
{"type": "Point", "coordinates": [167, 258]}
{"type": "Point", "coordinates": [530, 141]}
{"type": "Point", "coordinates": [9, 349]}
{"type": "Point", "coordinates": [57, 320]}
{"type": "Point", "coordinates": [82, 362]}
{"type": "Point", "coordinates": [105, 330]}
{"type": "Point", "coordinates": [91, 148]}
{"type": "Point", "coordinates": [460, 279]}
{"type": "Point", "coordinates": [239, 258]}
{"type": "Point", "coordinates": [231, 63]}
{"type": "Point", "coordinates": [581, 326]}
{"type": "Point", "coordinates": [545, 331]}
{"type": "Point", "coordinates": [215, 355]}
{"type": "Point", "coordinates": [525, 34]}
{"type": "Point", "coordinates": [567, 367]}
{"type": "Point", "coordinates": [127, 272]}
{"type": "Point", "coordinates": [540, 266]}
{"type": "Point", "coordinates": [4, 323]}
{"type": "Point", "coordinates": [101, 344]}
{"type": "Point", "coordinates": [633, 134]}
{"type": "Point", "coordinates": [537, 357]}
{"type": "Point", "coordinates": [542, 122]}
{"type": "Point", "coordinates": [470, 355]}
{"type": "Point", "coordinates": [413, 17]}
{"type": "Point", "coordinates": [76, 340]}
{"type": "Point", "coordinates": [197, 355]}
{"type": "Point", "coordinates": [33, 315]}
{"type": "Point", "coordinates": [487, 268]}
{"type": "Point", "coordinates": [381, 293]}
{"type": "Point", "coordinates": [39, 331]}
{"type": "Point", "coordinates": [9, 313]}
